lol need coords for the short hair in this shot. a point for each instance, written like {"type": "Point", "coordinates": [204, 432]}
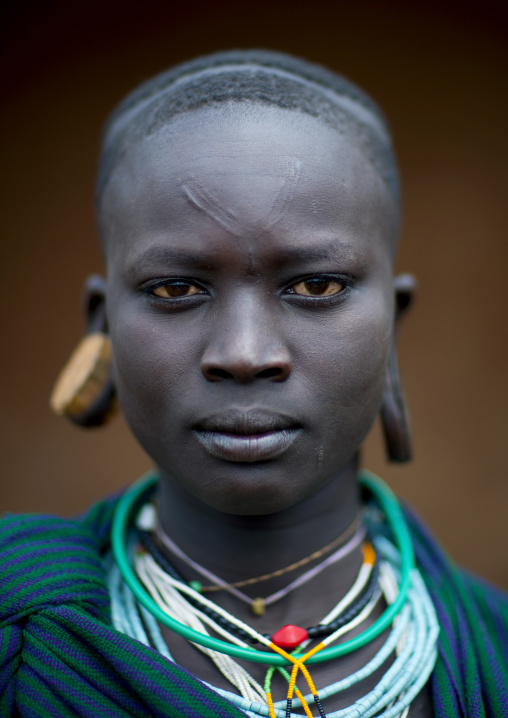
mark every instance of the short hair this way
{"type": "Point", "coordinates": [257, 77]}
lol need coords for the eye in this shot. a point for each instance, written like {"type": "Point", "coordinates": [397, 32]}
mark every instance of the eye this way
{"type": "Point", "coordinates": [176, 289]}
{"type": "Point", "coordinates": [317, 287]}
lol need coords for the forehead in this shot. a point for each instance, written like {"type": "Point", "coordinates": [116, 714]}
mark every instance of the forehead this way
{"type": "Point", "coordinates": [248, 169]}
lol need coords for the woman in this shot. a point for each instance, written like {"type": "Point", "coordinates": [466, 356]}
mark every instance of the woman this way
{"type": "Point", "coordinates": [248, 207]}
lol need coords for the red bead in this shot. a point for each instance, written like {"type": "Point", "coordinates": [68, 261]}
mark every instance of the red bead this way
{"type": "Point", "coordinates": [289, 637]}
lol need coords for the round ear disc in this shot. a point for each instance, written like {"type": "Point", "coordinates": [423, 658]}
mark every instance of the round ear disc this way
{"type": "Point", "coordinates": [84, 380]}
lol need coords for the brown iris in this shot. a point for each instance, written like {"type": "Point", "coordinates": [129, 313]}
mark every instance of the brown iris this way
{"type": "Point", "coordinates": [318, 287]}
{"type": "Point", "coordinates": [176, 289]}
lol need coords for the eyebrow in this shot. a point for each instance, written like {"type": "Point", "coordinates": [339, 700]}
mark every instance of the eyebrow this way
{"type": "Point", "coordinates": [294, 255]}
{"type": "Point", "coordinates": [165, 255]}
{"type": "Point", "coordinates": [335, 250]}
{"type": "Point", "coordinates": [286, 257]}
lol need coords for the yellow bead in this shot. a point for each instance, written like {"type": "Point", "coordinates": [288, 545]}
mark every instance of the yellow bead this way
{"type": "Point", "coordinates": [258, 606]}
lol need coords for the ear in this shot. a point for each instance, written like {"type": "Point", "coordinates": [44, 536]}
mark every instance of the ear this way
{"type": "Point", "coordinates": [404, 286]}
{"type": "Point", "coordinates": [394, 414]}
{"type": "Point", "coordinates": [85, 391]}
{"type": "Point", "coordinates": [94, 304]}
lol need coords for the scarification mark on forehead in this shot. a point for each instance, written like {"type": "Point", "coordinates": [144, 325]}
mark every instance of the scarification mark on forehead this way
{"type": "Point", "coordinates": [206, 199]}
{"type": "Point", "coordinates": [254, 80]}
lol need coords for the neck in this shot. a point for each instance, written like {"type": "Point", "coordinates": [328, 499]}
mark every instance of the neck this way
{"type": "Point", "coordinates": [240, 547]}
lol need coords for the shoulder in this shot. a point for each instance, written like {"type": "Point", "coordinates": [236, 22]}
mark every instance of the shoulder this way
{"type": "Point", "coordinates": [44, 532]}
{"type": "Point", "coordinates": [48, 560]}
{"type": "Point", "coordinates": [455, 591]}
{"type": "Point", "coordinates": [471, 672]}
{"type": "Point", "coordinates": [491, 605]}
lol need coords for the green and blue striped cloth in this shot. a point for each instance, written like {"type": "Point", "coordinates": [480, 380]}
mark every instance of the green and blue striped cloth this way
{"type": "Point", "coordinates": [60, 656]}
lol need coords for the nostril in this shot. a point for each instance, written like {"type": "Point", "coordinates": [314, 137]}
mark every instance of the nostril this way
{"type": "Point", "coordinates": [270, 373]}
{"type": "Point", "coordinates": [245, 371]}
{"type": "Point", "coordinates": [217, 373]}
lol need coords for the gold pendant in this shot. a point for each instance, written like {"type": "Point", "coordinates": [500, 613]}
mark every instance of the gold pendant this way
{"type": "Point", "coordinates": [258, 607]}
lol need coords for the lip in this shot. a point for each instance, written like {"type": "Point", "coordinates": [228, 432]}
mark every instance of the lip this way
{"type": "Point", "coordinates": [246, 436]}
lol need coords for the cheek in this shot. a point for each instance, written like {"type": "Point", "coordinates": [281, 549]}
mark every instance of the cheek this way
{"type": "Point", "coordinates": [365, 361]}
{"type": "Point", "coordinates": [349, 361]}
{"type": "Point", "coordinates": [150, 361]}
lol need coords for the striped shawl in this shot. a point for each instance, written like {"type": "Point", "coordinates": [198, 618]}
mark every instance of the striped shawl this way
{"type": "Point", "coordinates": [60, 656]}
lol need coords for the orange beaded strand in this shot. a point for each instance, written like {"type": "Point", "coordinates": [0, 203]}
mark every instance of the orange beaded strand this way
{"type": "Point", "coordinates": [298, 664]}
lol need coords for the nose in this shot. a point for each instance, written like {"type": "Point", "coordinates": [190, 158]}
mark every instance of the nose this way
{"type": "Point", "coordinates": [246, 345]}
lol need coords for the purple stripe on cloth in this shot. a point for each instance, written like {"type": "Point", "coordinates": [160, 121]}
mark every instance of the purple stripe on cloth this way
{"type": "Point", "coordinates": [10, 648]}
{"type": "Point", "coordinates": [55, 531]}
{"type": "Point", "coordinates": [501, 629]}
{"type": "Point", "coordinates": [34, 560]}
{"type": "Point", "coordinates": [55, 588]}
{"type": "Point", "coordinates": [46, 586]}
{"type": "Point", "coordinates": [122, 699]}
{"type": "Point", "coordinates": [31, 685]}
{"type": "Point", "coordinates": [144, 662]}
{"type": "Point", "coordinates": [458, 689]}
{"type": "Point", "coordinates": [439, 706]}
{"type": "Point", "coordinates": [496, 673]}
{"type": "Point", "coordinates": [470, 666]}
{"type": "Point", "coordinates": [64, 681]}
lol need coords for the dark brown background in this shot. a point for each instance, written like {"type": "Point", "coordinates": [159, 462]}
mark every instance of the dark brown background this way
{"type": "Point", "coordinates": [439, 70]}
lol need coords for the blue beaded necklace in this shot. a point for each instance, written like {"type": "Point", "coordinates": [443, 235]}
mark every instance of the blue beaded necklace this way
{"type": "Point", "coordinates": [414, 625]}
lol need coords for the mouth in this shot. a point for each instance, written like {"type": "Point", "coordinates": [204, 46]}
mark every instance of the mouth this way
{"type": "Point", "coordinates": [247, 436]}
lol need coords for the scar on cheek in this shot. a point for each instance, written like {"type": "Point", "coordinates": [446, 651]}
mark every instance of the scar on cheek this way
{"type": "Point", "coordinates": [200, 194]}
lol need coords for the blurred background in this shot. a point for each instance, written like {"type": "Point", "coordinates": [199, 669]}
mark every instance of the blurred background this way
{"type": "Point", "coordinates": [440, 72]}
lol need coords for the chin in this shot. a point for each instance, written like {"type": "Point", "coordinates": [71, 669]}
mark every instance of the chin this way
{"type": "Point", "coordinates": [251, 498]}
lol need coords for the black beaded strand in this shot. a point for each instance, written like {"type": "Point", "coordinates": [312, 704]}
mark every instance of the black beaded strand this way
{"type": "Point", "coordinates": [325, 629]}
{"type": "Point", "coordinates": [321, 630]}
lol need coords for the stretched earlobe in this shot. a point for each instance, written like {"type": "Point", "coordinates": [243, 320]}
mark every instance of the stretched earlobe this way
{"type": "Point", "coordinates": [84, 390]}
{"type": "Point", "coordinates": [394, 414]}
{"type": "Point", "coordinates": [404, 286]}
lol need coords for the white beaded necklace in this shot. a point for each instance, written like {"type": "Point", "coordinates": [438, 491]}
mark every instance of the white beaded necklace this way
{"type": "Point", "coordinates": [413, 636]}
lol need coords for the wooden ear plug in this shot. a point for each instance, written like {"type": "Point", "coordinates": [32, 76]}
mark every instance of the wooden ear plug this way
{"type": "Point", "coordinates": [85, 378]}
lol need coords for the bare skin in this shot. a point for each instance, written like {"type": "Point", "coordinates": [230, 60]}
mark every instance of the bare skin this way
{"type": "Point", "coordinates": [250, 302]}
